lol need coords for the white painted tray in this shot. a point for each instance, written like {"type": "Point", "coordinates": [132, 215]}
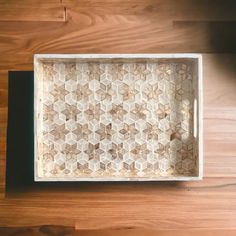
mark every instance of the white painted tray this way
{"type": "Point", "coordinates": [103, 117]}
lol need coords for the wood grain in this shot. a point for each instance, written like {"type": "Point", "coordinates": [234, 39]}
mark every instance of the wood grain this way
{"type": "Point", "coordinates": [206, 207]}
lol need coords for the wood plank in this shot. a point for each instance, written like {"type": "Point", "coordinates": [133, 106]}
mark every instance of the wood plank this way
{"type": "Point", "coordinates": [11, 13]}
{"type": "Point", "coordinates": [30, 2]}
{"type": "Point", "coordinates": [83, 26]}
{"type": "Point", "coordinates": [181, 10]}
{"type": "Point", "coordinates": [119, 35]}
{"type": "Point", "coordinates": [145, 205]}
{"type": "Point", "coordinates": [219, 139]}
{"type": "Point", "coordinates": [220, 71]}
{"type": "Point", "coordinates": [70, 231]}
{"type": "Point", "coordinates": [116, 27]}
{"type": "Point", "coordinates": [124, 33]}
{"type": "Point", "coordinates": [141, 232]}
{"type": "Point", "coordinates": [153, 206]}
{"type": "Point", "coordinates": [219, 34]}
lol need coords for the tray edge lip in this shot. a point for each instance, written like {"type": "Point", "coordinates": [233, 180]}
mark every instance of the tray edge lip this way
{"type": "Point", "coordinates": [116, 179]}
{"type": "Point", "coordinates": [124, 56]}
{"type": "Point", "coordinates": [200, 117]}
{"type": "Point", "coordinates": [35, 121]}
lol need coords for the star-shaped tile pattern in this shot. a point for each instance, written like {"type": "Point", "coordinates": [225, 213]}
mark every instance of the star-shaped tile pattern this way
{"type": "Point", "coordinates": [117, 119]}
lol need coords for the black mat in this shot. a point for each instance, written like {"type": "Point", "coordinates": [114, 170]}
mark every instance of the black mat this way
{"type": "Point", "coordinates": [20, 132]}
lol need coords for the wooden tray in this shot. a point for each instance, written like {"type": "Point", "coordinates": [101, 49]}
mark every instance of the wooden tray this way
{"type": "Point", "coordinates": [118, 117]}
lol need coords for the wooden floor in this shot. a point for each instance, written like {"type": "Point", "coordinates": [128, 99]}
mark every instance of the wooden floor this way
{"type": "Point", "coordinates": [206, 207]}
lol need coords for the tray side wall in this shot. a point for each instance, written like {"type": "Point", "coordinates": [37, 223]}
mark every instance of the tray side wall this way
{"type": "Point", "coordinates": [200, 117]}
{"type": "Point", "coordinates": [37, 79]}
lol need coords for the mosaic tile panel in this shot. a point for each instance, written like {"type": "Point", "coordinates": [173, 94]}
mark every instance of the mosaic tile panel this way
{"type": "Point", "coordinates": [116, 120]}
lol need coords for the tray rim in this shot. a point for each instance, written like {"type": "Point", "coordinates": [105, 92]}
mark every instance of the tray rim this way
{"type": "Point", "coordinates": [118, 55]}
{"type": "Point", "coordinates": [198, 56]}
